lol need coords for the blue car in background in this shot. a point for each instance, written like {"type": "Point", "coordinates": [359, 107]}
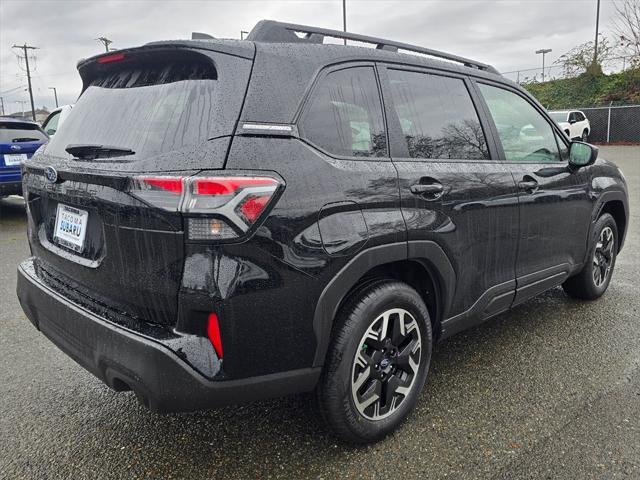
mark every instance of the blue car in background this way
{"type": "Point", "coordinates": [19, 139]}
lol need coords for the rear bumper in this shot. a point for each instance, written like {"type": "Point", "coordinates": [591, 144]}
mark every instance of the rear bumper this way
{"type": "Point", "coordinates": [127, 360]}
{"type": "Point", "coordinates": [10, 188]}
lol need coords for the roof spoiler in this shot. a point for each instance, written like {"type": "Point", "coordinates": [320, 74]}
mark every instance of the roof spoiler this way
{"type": "Point", "coordinates": [201, 36]}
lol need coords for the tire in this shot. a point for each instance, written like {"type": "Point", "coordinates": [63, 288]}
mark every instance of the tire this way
{"type": "Point", "coordinates": [568, 133]}
{"type": "Point", "coordinates": [360, 366]}
{"type": "Point", "coordinates": [585, 136]}
{"type": "Point", "coordinates": [594, 278]}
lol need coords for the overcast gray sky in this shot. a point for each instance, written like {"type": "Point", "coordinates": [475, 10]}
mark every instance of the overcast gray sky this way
{"type": "Point", "coordinates": [504, 33]}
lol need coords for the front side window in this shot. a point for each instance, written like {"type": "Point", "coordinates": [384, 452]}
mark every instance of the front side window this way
{"type": "Point", "coordinates": [345, 115]}
{"type": "Point", "coordinates": [525, 134]}
{"type": "Point", "coordinates": [437, 116]}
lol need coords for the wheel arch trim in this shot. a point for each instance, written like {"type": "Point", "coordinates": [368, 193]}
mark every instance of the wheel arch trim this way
{"type": "Point", "coordinates": [426, 252]}
{"type": "Point", "coordinates": [604, 199]}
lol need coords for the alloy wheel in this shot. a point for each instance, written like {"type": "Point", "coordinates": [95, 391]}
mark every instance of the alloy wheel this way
{"type": "Point", "coordinates": [603, 257]}
{"type": "Point", "coordinates": [386, 364]}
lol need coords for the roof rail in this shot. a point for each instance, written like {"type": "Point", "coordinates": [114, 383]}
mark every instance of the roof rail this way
{"type": "Point", "coordinates": [279, 32]}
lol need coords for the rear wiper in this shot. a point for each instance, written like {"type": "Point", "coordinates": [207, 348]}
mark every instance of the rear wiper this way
{"type": "Point", "coordinates": [90, 152]}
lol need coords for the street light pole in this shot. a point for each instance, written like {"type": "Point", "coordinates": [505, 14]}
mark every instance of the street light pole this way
{"type": "Point", "coordinates": [543, 51]}
{"type": "Point", "coordinates": [595, 47]}
{"type": "Point", "coordinates": [55, 94]}
{"type": "Point", "coordinates": [21, 102]}
{"type": "Point", "coordinates": [344, 18]}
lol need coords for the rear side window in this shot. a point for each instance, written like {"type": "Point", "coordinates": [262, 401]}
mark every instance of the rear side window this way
{"type": "Point", "coordinates": [13, 132]}
{"type": "Point", "coordinates": [156, 103]}
{"type": "Point", "coordinates": [437, 116]}
{"type": "Point", "coordinates": [345, 115]}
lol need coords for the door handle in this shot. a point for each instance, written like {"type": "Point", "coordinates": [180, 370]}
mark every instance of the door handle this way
{"type": "Point", "coordinates": [528, 185]}
{"type": "Point", "coordinates": [427, 189]}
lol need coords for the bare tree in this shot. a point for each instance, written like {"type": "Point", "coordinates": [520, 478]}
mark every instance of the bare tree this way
{"type": "Point", "coordinates": [626, 26]}
{"type": "Point", "coordinates": [579, 59]}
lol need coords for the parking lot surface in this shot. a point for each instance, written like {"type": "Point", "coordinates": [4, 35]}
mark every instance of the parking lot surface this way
{"type": "Point", "coordinates": [548, 390]}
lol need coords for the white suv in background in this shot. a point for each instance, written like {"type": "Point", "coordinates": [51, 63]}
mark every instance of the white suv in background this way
{"type": "Point", "coordinates": [55, 119]}
{"type": "Point", "coordinates": [574, 123]}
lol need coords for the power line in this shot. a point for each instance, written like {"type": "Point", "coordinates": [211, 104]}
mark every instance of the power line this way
{"type": "Point", "coordinates": [24, 48]}
{"type": "Point", "coordinates": [12, 90]}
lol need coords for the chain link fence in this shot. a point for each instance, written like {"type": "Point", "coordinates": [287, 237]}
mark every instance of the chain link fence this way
{"type": "Point", "coordinates": [614, 124]}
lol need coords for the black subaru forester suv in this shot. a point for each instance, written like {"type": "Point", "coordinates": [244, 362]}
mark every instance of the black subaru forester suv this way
{"type": "Point", "coordinates": [220, 221]}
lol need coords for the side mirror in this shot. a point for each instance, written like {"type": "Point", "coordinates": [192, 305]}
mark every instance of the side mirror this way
{"type": "Point", "coordinates": [51, 131]}
{"type": "Point", "coordinates": [582, 154]}
{"type": "Point", "coordinates": [572, 121]}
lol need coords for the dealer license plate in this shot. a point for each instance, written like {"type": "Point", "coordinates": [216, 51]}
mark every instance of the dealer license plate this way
{"type": "Point", "coordinates": [71, 227]}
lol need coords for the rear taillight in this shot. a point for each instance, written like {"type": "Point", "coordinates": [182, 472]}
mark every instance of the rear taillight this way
{"type": "Point", "coordinates": [217, 208]}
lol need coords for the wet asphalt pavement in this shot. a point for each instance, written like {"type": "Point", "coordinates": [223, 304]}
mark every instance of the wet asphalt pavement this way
{"type": "Point", "coordinates": [548, 390]}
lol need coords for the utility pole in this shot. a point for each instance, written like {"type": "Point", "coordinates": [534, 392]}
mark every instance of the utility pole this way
{"type": "Point", "coordinates": [595, 47]}
{"type": "Point", "coordinates": [2, 104]}
{"type": "Point", "coordinates": [344, 18]}
{"type": "Point", "coordinates": [24, 48]}
{"type": "Point", "coordinates": [106, 42]}
{"type": "Point", "coordinates": [55, 94]}
{"type": "Point", "coordinates": [543, 51]}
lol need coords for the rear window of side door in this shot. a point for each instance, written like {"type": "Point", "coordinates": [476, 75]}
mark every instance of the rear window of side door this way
{"type": "Point", "coordinates": [454, 188]}
{"type": "Point", "coordinates": [346, 165]}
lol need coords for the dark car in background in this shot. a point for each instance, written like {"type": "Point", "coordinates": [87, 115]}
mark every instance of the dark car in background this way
{"type": "Point", "coordinates": [221, 220]}
{"type": "Point", "coordinates": [19, 139]}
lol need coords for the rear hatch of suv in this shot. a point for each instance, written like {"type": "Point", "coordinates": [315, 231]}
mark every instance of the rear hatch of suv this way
{"type": "Point", "coordinates": [164, 109]}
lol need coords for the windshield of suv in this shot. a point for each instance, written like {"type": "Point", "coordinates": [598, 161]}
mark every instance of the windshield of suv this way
{"type": "Point", "coordinates": [150, 108]}
{"type": "Point", "coordinates": [558, 116]}
{"type": "Point", "coordinates": [12, 132]}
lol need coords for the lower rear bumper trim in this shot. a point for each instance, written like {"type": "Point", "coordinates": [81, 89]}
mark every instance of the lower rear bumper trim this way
{"type": "Point", "coordinates": [124, 360]}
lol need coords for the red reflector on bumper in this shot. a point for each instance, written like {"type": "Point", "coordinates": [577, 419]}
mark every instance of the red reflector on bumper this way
{"type": "Point", "coordinates": [213, 332]}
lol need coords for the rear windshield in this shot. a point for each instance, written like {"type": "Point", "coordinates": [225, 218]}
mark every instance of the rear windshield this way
{"type": "Point", "coordinates": [558, 116]}
{"type": "Point", "coordinates": [11, 132]}
{"type": "Point", "coordinates": [154, 107]}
